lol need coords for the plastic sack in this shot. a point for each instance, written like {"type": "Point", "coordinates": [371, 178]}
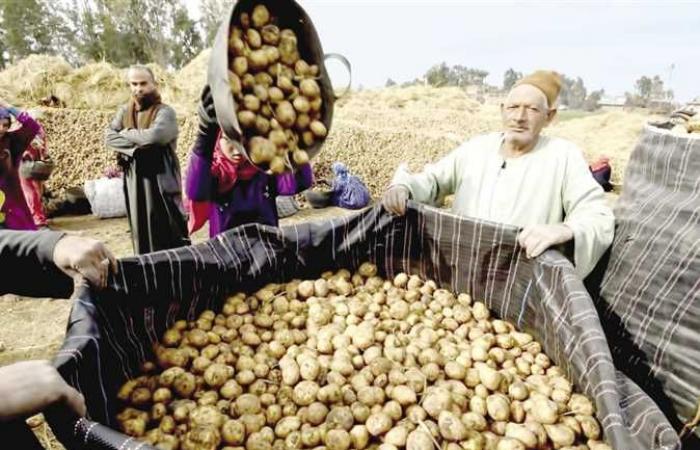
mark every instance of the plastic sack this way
{"type": "Point", "coordinates": [348, 190]}
{"type": "Point", "coordinates": [106, 197]}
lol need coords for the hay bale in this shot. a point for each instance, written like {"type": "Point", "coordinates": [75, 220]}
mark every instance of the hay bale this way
{"type": "Point", "coordinates": [33, 78]}
{"type": "Point", "coordinates": [191, 79]}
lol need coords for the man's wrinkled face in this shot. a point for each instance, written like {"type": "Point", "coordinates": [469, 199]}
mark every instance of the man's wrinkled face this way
{"type": "Point", "coordinates": [140, 83]}
{"type": "Point", "coordinates": [4, 126]}
{"type": "Point", "coordinates": [524, 114]}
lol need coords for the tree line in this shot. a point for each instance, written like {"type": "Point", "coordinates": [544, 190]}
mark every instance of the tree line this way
{"type": "Point", "coordinates": [574, 94]}
{"type": "Point", "coordinates": [120, 32]}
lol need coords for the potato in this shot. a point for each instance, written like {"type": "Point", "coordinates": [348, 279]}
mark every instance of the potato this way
{"type": "Point", "coordinates": [230, 390]}
{"type": "Point", "coordinates": [285, 114]}
{"type": "Point", "coordinates": [301, 104]}
{"type": "Point", "coordinates": [436, 401]}
{"type": "Point", "coordinates": [404, 395]}
{"type": "Point", "coordinates": [510, 444]}
{"type": "Point", "coordinates": [589, 426]}
{"type": "Point", "coordinates": [258, 60]}
{"type": "Point", "coordinates": [498, 407]}
{"type": "Point", "coordinates": [309, 88]}
{"type": "Point", "coordinates": [316, 104]}
{"type": "Point", "coordinates": [581, 405]}
{"type": "Point", "coordinates": [543, 410]}
{"type": "Point", "coordinates": [260, 16]}
{"type": "Point", "coordinates": [300, 157]}
{"type": "Point", "coordinates": [236, 45]}
{"type": "Point", "coordinates": [560, 435]}
{"type": "Point", "coordinates": [248, 404]}
{"type": "Point", "coordinates": [246, 119]}
{"type": "Point", "coordinates": [287, 425]}
{"type": "Point", "coordinates": [451, 427]}
{"type": "Point", "coordinates": [140, 396]}
{"type": "Point", "coordinates": [233, 432]}
{"type": "Point", "coordinates": [251, 102]}
{"type": "Point", "coordinates": [289, 54]}
{"type": "Point", "coordinates": [318, 128]}
{"type": "Point", "coordinates": [253, 38]}
{"type": "Point", "coordinates": [337, 440]}
{"type": "Point", "coordinates": [378, 423]}
{"type": "Point", "coordinates": [305, 392]}
{"type": "Point", "coordinates": [261, 151]}
{"type": "Point", "coordinates": [270, 34]}
{"type": "Point", "coordinates": [206, 416]}
{"type": "Point", "coordinates": [316, 413]}
{"type": "Point", "coordinates": [248, 82]}
{"type": "Point", "coordinates": [307, 138]}
{"type": "Point", "coordinates": [517, 411]}
{"type": "Point", "coordinates": [184, 384]}
{"type": "Point", "coordinates": [596, 445]}
{"type": "Point", "coordinates": [359, 437]}
{"type": "Point", "coordinates": [240, 65]}
{"type": "Point", "coordinates": [490, 378]}
{"type": "Point", "coordinates": [216, 375]}
{"type": "Point", "coordinates": [277, 165]}
{"type": "Point", "coordinates": [521, 433]}
{"type": "Point", "coordinates": [419, 439]}
{"type": "Point", "coordinates": [134, 427]}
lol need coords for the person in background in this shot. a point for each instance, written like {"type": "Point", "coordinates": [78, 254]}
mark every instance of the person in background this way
{"type": "Point", "coordinates": [224, 188]}
{"type": "Point", "coordinates": [144, 134]}
{"type": "Point", "coordinates": [42, 264]}
{"type": "Point", "coordinates": [14, 212]}
{"type": "Point", "coordinates": [33, 189]}
{"type": "Point", "coordinates": [519, 177]}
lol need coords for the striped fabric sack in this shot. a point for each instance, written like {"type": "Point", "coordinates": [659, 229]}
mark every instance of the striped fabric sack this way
{"type": "Point", "coordinates": [650, 293]}
{"type": "Point", "coordinates": [111, 334]}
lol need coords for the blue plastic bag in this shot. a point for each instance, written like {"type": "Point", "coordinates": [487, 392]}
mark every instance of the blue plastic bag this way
{"type": "Point", "coordinates": [348, 190]}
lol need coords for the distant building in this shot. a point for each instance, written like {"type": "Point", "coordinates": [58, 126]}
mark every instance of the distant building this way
{"type": "Point", "coordinates": [610, 102]}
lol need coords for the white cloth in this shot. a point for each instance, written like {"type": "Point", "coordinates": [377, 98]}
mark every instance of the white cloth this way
{"type": "Point", "coordinates": [106, 197]}
{"type": "Point", "coordinates": [550, 184]}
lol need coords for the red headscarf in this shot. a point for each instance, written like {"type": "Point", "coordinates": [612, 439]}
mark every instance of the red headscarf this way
{"type": "Point", "coordinates": [226, 171]}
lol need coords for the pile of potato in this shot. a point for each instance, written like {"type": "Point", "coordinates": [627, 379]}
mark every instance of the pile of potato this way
{"type": "Point", "coordinates": [354, 361]}
{"type": "Point", "coordinates": [278, 98]}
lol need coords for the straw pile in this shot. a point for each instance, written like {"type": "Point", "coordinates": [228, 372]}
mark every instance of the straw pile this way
{"type": "Point", "coordinates": [373, 131]}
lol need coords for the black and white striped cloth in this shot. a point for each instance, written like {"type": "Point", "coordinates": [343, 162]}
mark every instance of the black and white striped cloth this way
{"type": "Point", "coordinates": [110, 335]}
{"type": "Point", "coordinates": [650, 294]}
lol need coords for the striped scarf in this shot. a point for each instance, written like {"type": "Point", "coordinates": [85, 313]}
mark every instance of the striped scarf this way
{"type": "Point", "coordinates": [149, 106]}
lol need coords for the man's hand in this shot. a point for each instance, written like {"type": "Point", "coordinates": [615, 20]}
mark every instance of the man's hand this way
{"type": "Point", "coordinates": [535, 239]}
{"type": "Point", "coordinates": [29, 387]}
{"type": "Point", "coordinates": [85, 257]}
{"type": "Point", "coordinates": [395, 199]}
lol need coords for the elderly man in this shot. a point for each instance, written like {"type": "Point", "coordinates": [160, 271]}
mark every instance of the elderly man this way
{"type": "Point", "coordinates": [144, 133]}
{"type": "Point", "coordinates": [520, 177]}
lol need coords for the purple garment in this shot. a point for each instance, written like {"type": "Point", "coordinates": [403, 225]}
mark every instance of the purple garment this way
{"type": "Point", "coordinates": [14, 212]}
{"type": "Point", "coordinates": [249, 201]}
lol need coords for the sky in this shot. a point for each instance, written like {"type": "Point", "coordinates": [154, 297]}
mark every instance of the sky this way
{"type": "Point", "coordinates": [609, 44]}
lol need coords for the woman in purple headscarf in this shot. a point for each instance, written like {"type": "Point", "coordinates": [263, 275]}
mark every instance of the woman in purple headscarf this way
{"type": "Point", "coordinates": [14, 212]}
